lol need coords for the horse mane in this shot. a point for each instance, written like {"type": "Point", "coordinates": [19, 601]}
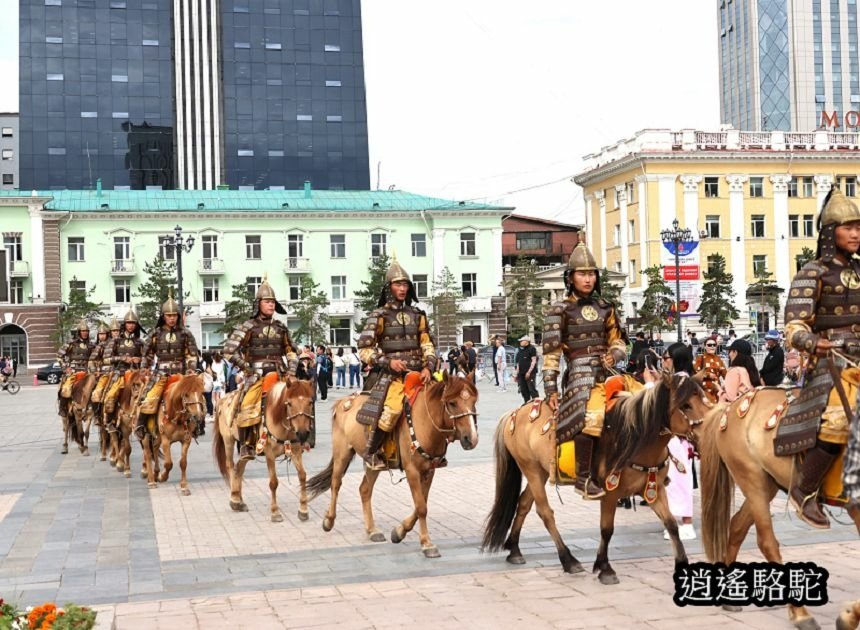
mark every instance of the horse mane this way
{"type": "Point", "coordinates": [450, 389]}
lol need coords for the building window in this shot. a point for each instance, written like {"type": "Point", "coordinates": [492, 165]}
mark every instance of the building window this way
{"type": "Point", "coordinates": [616, 198]}
{"type": "Point", "coordinates": [631, 192]}
{"type": "Point", "coordinates": [121, 248]}
{"type": "Point", "coordinates": [210, 248]}
{"type": "Point", "coordinates": [253, 248]}
{"type": "Point", "coordinates": [122, 292]}
{"type": "Point", "coordinates": [339, 331]}
{"type": "Point", "coordinates": [165, 249]}
{"type": "Point", "coordinates": [421, 285]}
{"type": "Point", "coordinates": [378, 245]}
{"type": "Point", "coordinates": [14, 246]}
{"type": "Point", "coordinates": [210, 290]}
{"type": "Point", "coordinates": [757, 230]}
{"type": "Point", "coordinates": [338, 287]}
{"type": "Point", "coordinates": [7, 132]}
{"type": "Point", "coordinates": [793, 225]}
{"type": "Point", "coordinates": [712, 225]}
{"type": "Point", "coordinates": [759, 264]}
{"type": "Point", "coordinates": [533, 240]}
{"type": "Point", "coordinates": [295, 246]}
{"type": "Point", "coordinates": [808, 187]}
{"type": "Point", "coordinates": [294, 285]}
{"type": "Point", "coordinates": [792, 187]}
{"type": "Point", "coordinates": [77, 285]}
{"type": "Point", "coordinates": [333, 83]}
{"type": "Point", "coordinates": [616, 235]}
{"type": "Point", "coordinates": [55, 76]}
{"type": "Point", "coordinates": [756, 186]}
{"type": "Point", "coordinates": [470, 284]}
{"type": "Point", "coordinates": [7, 154]}
{"type": "Point", "coordinates": [712, 263]}
{"type": "Point", "coordinates": [618, 266]}
{"type": "Point", "coordinates": [338, 245]}
{"type": "Point", "coordinates": [467, 244]}
{"type": "Point", "coordinates": [332, 48]}
{"type": "Point", "coordinates": [16, 291]}
{"type": "Point", "coordinates": [419, 245]}
{"type": "Point", "coordinates": [808, 224]}
{"type": "Point", "coordinates": [712, 187]}
{"type": "Point", "coordinates": [848, 186]}
{"type": "Point", "coordinates": [631, 231]}
{"type": "Point", "coordinates": [253, 284]}
{"type": "Point", "coordinates": [76, 248]}
{"type": "Point", "coordinates": [632, 271]}
{"type": "Point", "coordinates": [8, 179]}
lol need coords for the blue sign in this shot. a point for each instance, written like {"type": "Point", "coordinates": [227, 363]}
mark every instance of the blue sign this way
{"type": "Point", "coordinates": [685, 248]}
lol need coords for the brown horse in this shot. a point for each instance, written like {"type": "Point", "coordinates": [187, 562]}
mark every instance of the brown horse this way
{"type": "Point", "coordinates": [288, 423]}
{"type": "Point", "coordinates": [182, 407]}
{"type": "Point", "coordinates": [442, 413]}
{"type": "Point", "coordinates": [120, 425]}
{"type": "Point", "coordinates": [738, 449]}
{"type": "Point", "coordinates": [635, 436]}
{"type": "Point", "coordinates": [75, 413]}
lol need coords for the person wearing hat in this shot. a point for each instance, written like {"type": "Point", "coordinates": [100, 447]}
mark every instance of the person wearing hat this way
{"type": "Point", "coordinates": [773, 368]}
{"type": "Point", "coordinates": [584, 327]}
{"type": "Point", "coordinates": [97, 364]}
{"type": "Point", "coordinates": [742, 375]}
{"type": "Point", "coordinates": [175, 348]}
{"type": "Point", "coordinates": [709, 368]}
{"type": "Point", "coordinates": [125, 352]}
{"type": "Point", "coordinates": [259, 347]}
{"type": "Point", "coordinates": [395, 340]}
{"type": "Point", "coordinates": [73, 357]}
{"type": "Point", "coordinates": [822, 313]}
{"type": "Point", "coordinates": [525, 364]}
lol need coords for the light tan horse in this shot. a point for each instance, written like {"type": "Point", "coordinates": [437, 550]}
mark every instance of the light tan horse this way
{"type": "Point", "coordinates": [75, 414]}
{"type": "Point", "coordinates": [635, 436]}
{"type": "Point", "coordinates": [289, 421]}
{"type": "Point", "coordinates": [443, 412]}
{"type": "Point", "coordinates": [123, 411]}
{"type": "Point", "coordinates": [743, 454]}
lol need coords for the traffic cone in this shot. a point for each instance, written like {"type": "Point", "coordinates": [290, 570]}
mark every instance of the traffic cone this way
{"type": "Point", "coordinates": [35, 381]}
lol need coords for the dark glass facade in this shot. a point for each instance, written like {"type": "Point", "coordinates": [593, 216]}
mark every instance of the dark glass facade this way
{"type": "Point", "coordinates": [773, 65]}
{"type": "Point", "coordinates": [97, 94]}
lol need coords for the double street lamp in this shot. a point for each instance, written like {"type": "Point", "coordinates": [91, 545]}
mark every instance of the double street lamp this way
{"type": "Point", "coordinates": [676, 236]}
{"type": "Point", "coordinates": [180, 244]}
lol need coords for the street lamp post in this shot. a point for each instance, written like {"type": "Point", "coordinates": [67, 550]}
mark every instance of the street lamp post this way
{"type": "Point", "coordinates": [676, 236]}
{"type": "Point", "coordinates": [179, 243]}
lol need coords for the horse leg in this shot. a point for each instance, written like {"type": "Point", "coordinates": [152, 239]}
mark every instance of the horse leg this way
{"type": "Point", "coordinates": [536, 480]}
{"type": "Point", "coordinates": [339, 462]}
{"type": "Point", "coordinates": [365, 490]}
{"type": "Point", "coordinates": [303, 481]}
{"type": "Point", "coordinates": [125, 450]}
{"type": "Point", "coordinates": [414, 477]}
{"type": "Point", "coordinates": [406, 526]}
{"type": "Point", "coordinates": [235, 472]}
{"type": "Point", "coordinates": [512, 544]}
{"type": "Point", "coordinates": [183, 466]}
{"type": "Point", "coordinates": [66, 428]}
{"type": "Point", "coordinates": [168, 456]}
{"type": "Point", "coordinates": [277, 516]}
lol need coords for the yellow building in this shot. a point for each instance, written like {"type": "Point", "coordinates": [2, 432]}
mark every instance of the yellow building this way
{"type": "Point", "coordinates": [754, 195]}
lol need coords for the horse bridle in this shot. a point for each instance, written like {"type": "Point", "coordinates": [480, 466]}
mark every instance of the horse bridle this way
{"type": "Point", "coordinates": [186, 404]}
{"type": "Point", "coordinates": [287, 420]}
{"type": "Point", "coordinates": [453, 417]}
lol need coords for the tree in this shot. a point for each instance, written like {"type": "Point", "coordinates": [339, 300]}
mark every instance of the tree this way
{"type": "Point", "coordinates": [155, 291]}
{"type": "Point", "coordinates": [611, 292]}
{"type": "Point", "coordinates": [524, 310]}
{"type": "Point", "coordinates": [658, 300]}
{"type": "Point", "coordinates": [310, 312]}
{"type": "Point", "coordinates": [445, 316]}
{"type": "Point", "coordinates": [804, 257]}
{"type": "Point", "coordinates": [717, 309]}
{"type": "Point", "coordinates": [367, 298]}
{"type": "Point", "coordinates": [238, 309]}
{"type": "Point", "coordinates": [766, 292]}
{"type": "Point", "coordinates": [80, 306]}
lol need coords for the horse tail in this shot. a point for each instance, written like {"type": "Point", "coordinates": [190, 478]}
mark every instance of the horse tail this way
{"type": "Point", "coordinates": [320, 482]}
{"type": "Point", "coordinates": [717, 490]}
{"type": "Point", "coordinates": [219, 452]}
{"type": "Point", "coordinates": [508, 483]}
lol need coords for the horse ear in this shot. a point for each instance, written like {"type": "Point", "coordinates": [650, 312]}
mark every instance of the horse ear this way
{"type": "Point", "coordinates": [290, 381]}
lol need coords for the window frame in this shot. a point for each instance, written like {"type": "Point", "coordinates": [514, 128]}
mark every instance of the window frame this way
{"type": "Point", "coordinates": [252, 284]}
{"type": "Point", "coordinates": [210, 241]}
{"type": "Point", "coordinates": [80, 248]}
{"type": "Point", "coordinates": [419, 281]}
{"type": "Point", "coordinates": [378, 244]}
{"type": "Point", "coordinates": [758, 220]}
{"type": "Point", "coordinates": [756, 187]}
{"type": "Point", "coordinates": [15, 246]}
{"type": "Point", "coordinates": [471, 282]}
{"type": "Point", "coordinates": [762, 259]}
{"type": "Point", "coordinates": [419, 245]}
{"type": "Point", "coordinates": [252, 246]}
{"type": "Point", "coordinates": [165, 249]}
{"type": "Point", "coordinates": [794, 226]}
{"type": "Point", "coordinates": [712, 187]}
{"type": "Point", "coordinates": [339, 286]}
{"type": "Point", "coordinates": [211, 288]}
{"type": "Point", "coordinates": [710, 224]}
{"type": "Point", "coordinates": [808, 225]}
{"type": "Point", "coordinates": [468, 246]}
{"type": "Point", "coordinates": [334, 247]}
{"type": "Point", "coordinates": [125, 286]}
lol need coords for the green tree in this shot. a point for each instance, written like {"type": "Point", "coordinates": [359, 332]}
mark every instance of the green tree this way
{"type": "Point", "coordinates": [310, 312]}
{"type": "Point", "coordinates": [658, 300]}
{"type": "Point", "coordinates": [80, 306]}
{"type": "Point", "coordinates": [717, 309]}
{"type": "Point", "coordinates": [611, 292]}
{"type": "Point", "coordinates": [367, 298]}
{"type": "Point", "coordinates": [805, 255]}
{"type": "Point", "coordinates": [238, 309]}
{"type": "Point", "coordinates": [524, 309]}
{"type": "Point", "coordinates": [765, 292]}
{"type": "Point", "coordinates": [161, 277]}
{"type": "Point", "coordinates": [445, 315]}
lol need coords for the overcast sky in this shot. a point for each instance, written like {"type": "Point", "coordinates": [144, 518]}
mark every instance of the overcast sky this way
{"type": "Point", "coordinates": [475, 99]}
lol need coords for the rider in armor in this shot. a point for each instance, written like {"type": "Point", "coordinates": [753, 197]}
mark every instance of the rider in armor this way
{"type": "Point", "coordinates": [124, 352]}
{"type": "Point", "coordinates": [585, 328]}
{"type": "Point", "coordinates": [74, 357]}
{"type": "Point", "coordinates": [822, 315]}
{"type": "Point", "coordinates": [259, 347]}
{"type": "Point", "coordinates": [176, 350]}
{"type": "Point", "coordinates": [99, 364]}
{"type": "Point", "coordinates": [396, 339]}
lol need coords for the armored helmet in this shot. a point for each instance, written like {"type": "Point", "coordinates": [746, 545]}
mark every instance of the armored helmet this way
{"type": "Point", "coordinates": [114, 324]}
{"type": "Point", "coordinates": [103, 329]}
{"type": "Point", "coordinates": [837, 210]}
{"type": "Point", "coordinates": [170, 307]}
{"type": "Point", "coordinates": [581, 260]}
{"type": "Point", "coordinates": [131, 316]}
{"type": "Point", "coordinates": [83, 326]}
{"type": "Point", "coordinates": [396, 272]}
{"type": "Point", "coordinates": [266, 292]}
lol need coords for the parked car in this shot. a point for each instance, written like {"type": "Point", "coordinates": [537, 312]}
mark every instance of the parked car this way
{"type": "Point", "coordinates": [50, 373]}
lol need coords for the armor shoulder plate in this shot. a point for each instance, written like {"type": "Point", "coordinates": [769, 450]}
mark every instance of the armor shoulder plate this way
{"type": "Point", "coordinates": [552, 328]}
{"type": "Point", "coordinates": [803, 293]}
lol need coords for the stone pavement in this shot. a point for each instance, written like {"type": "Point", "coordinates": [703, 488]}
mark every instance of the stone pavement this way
{"type": "Point", "coordinates": [72, 529]}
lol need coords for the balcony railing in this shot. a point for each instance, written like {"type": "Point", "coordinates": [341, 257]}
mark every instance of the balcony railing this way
{"type": "Point", "coordinates": [341, 307]}
{"type": "Point", "coordinates": [122, 267]}
{"type": "Point", "coordinates": [20, 269]}
{"type": "Point", "coordinates": [211, 310]}
{"type": "Point", "coordinates": [475, 305]}
{"type": "Point", "coordinates": [296, 265]}
{"type": "Point", "coordinates": [210, 267]}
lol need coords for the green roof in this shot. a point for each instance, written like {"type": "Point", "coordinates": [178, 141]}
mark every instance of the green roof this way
{"type": "Point", "coordinates": [245, 201]}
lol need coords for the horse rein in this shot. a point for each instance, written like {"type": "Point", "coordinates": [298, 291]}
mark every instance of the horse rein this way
{"type": "Point", "coordinates": [289, 418]}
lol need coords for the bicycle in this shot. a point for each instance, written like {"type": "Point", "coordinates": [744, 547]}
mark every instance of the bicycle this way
{"type": "Point", "coordinates": [11, 386]}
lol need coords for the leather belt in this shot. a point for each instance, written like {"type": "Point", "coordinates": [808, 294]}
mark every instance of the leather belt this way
{"type": "Point", "coordinates": [586, 351]}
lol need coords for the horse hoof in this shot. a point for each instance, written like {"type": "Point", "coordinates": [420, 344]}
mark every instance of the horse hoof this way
{"type": "Point", "coordinates": [730, 608]}
{"type": "Point", "coordinates": [112, 461]}
{"type": "Point", "coordinates": [574, 567]}
{"type": "Point", "coordinates": [238, 506]}
{"type": "Point", "coordinates": [377, 537]}
{"type": "Point", "coordinates": [152, 485]}
{"type": "Point", "coordinates": [85, 452]}
{"type": "Point", "coordinates": [515, 558]}
{"type": "Point", "coordinates": [807, 623]}
{"type": "Point", "coordinates": [127, 474]}
{"type": "Point", "coordinates": [327, 524]}
{"type": "Point", "coordinates": [185, 492]}
{"type": "Point", "coordinates": [397, 535]}
{"type": "Point", "coordinates": [102, 458]}
{"type": "Point", "coordinates": [431, 552]}
{"type": "Point", "coordinates": [277, 517]}
{"type": "Point", "coordinates": [143, 474]}
{"type": "Point", "coordinates": [65, 450]}
{"type": "Point", "coordinates": [608, 578]}
{"type": "Point", "coordinates": [303, 516]}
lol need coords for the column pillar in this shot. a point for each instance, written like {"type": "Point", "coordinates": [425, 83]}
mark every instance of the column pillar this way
{"type": "Point", "coordinates": [37, 254]}
{"type": "Point", "coordinates": [691, 201]}
{"type": "Point", "coordinates": [823, 185]}
{"type": "Point", "coordinates": [668, 207]}
{"type": "Point", "coordinates": [737, 263]}
{"type": "Point", "coordinates": [642, 182]}
{"type": "Point", "coordinates": [439, 252]}
{"type": "Point", "coordinates": [589, 222]}
{"type": "Point", "coordinates": [621, 192]}
{"type": "Point", "coordinates": [601, 201]}
{"type": "Point", "coordinates": [782, 265]}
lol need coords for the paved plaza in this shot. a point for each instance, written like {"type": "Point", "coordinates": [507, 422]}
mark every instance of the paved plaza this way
{"type": "Point", "coordinates": [73, 529]}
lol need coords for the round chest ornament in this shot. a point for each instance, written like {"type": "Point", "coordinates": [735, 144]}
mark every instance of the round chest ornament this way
{"type": "Point", "coordinates": [589, 313]}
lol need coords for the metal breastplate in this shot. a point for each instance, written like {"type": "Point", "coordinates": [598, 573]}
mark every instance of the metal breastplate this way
{"type": "Point", "coordinates": [79, 353]}
{"type": "Point", "coordinates": [839, 303]}
{"type": "Point", "coordinates": [266, 342]}
{"type": "Point", "coordinates": [170, 346]}
{"type": "Point", "coordinates": [400, 337]}
{"type": "Point", "coordinates": [126, 348]}
{"type": "Point", "coordinates": [586, 325]}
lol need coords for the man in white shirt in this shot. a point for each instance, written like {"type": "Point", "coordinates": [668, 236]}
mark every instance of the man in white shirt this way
{"type": "Point", "coordinates": [501, 362]}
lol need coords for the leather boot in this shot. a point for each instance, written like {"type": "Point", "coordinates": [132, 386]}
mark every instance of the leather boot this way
{"type": "Point", "coordinates": [804, 493]}
{"type": "Point", "coordinates": [584, 485]}
{"type": "Point", "coordinates": [374, 441]}
{"type": "Point", "coordinates": [140, 426]}
{"type": "Point", "coordinates": [248, 449]}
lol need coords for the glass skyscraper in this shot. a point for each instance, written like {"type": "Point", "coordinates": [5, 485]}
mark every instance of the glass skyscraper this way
{"type": "Point", "coordinates": [192, 94]}
{"type": "Point", "coordinates": [783, 64]}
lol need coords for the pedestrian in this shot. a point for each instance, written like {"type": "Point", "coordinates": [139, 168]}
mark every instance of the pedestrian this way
{"type": "Point", "coordinates": [500, 363]}
{"type": "Point", "coordinates": [354, 368]}
{"type": "Point", "coordinates": [526, 369]}
{"type": "Point", "coordinates": [219, 377]}
{"type": "Point", "coordinates": [710, 369]}
{"type": "Point", "coordinates": [639, 344]}
{"type": "Point", "coordinates": [772, 370]}
{"type": "Point", "coordinates": [453, 355]}
{"type": "Point", "coordinates": [207, 383]}
{"type": "Point", "coordinates": [324, 366]}
{"type": "Point", "coordinates": [14, 361]}
{"type": "Point", "coordinates": [340, 369]}
{"type": "Point", "coordinates": [495, 369]}
{"type": "Point", "coordinates": [742, 375]}
{"type": "Point", "coordinates": [471, 359]}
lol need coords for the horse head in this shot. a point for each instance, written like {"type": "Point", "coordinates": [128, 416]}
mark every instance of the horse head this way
{"type": "Point", "coordinates": [298, 399]}
{"type": "Point", "coordinates": [688, 405]}
{"type": "Point", "coordinates": [458, 398]}
{"type": "Point", "coordinates": [186, 400]}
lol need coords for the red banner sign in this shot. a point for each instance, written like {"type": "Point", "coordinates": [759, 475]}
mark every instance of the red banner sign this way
{"type": "Point", "coordinates": [687, 272]}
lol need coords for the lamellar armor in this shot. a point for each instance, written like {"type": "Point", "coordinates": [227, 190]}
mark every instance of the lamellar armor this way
{"type": "Point", "coordinates": [125, 348]}
{"type": "Point", "coordinates": [259, 345]}
{"type": "Point", "coordinates": [175, 348]}
{"type": "Point", "coordinates": [99, 360]}
{"type": "Point", "coordinates": [397, 332]}
{"type": "Point", "coordinates": [76, 354]}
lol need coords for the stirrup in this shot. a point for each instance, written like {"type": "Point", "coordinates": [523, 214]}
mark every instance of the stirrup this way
{"type": "Point", "coordinates": [246, 453]}
{"type": "Point", "coordinates": [583, 490]}
{"type": "Point", "coordinates": [375, 462]}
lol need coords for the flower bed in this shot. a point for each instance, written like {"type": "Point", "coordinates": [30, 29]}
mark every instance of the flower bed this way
{"type": "Point", "coordinates": [46, 617]}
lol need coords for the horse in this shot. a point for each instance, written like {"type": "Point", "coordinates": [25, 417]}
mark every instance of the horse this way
{"type": "Point", "coordinates": [736, 447]}
{"type": "Point", "coordinates": [632, 453]}
{"type": "Point", "coordinates": [75, 414]}
{"type": "Point", "coordinates": [123, 412]}
{"type": "Point", "coordinates": [442, 412]}
{"type": "Point", "coordinates": [288, 423]}
{"type": "Point", "coordinates": [182, 407]}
